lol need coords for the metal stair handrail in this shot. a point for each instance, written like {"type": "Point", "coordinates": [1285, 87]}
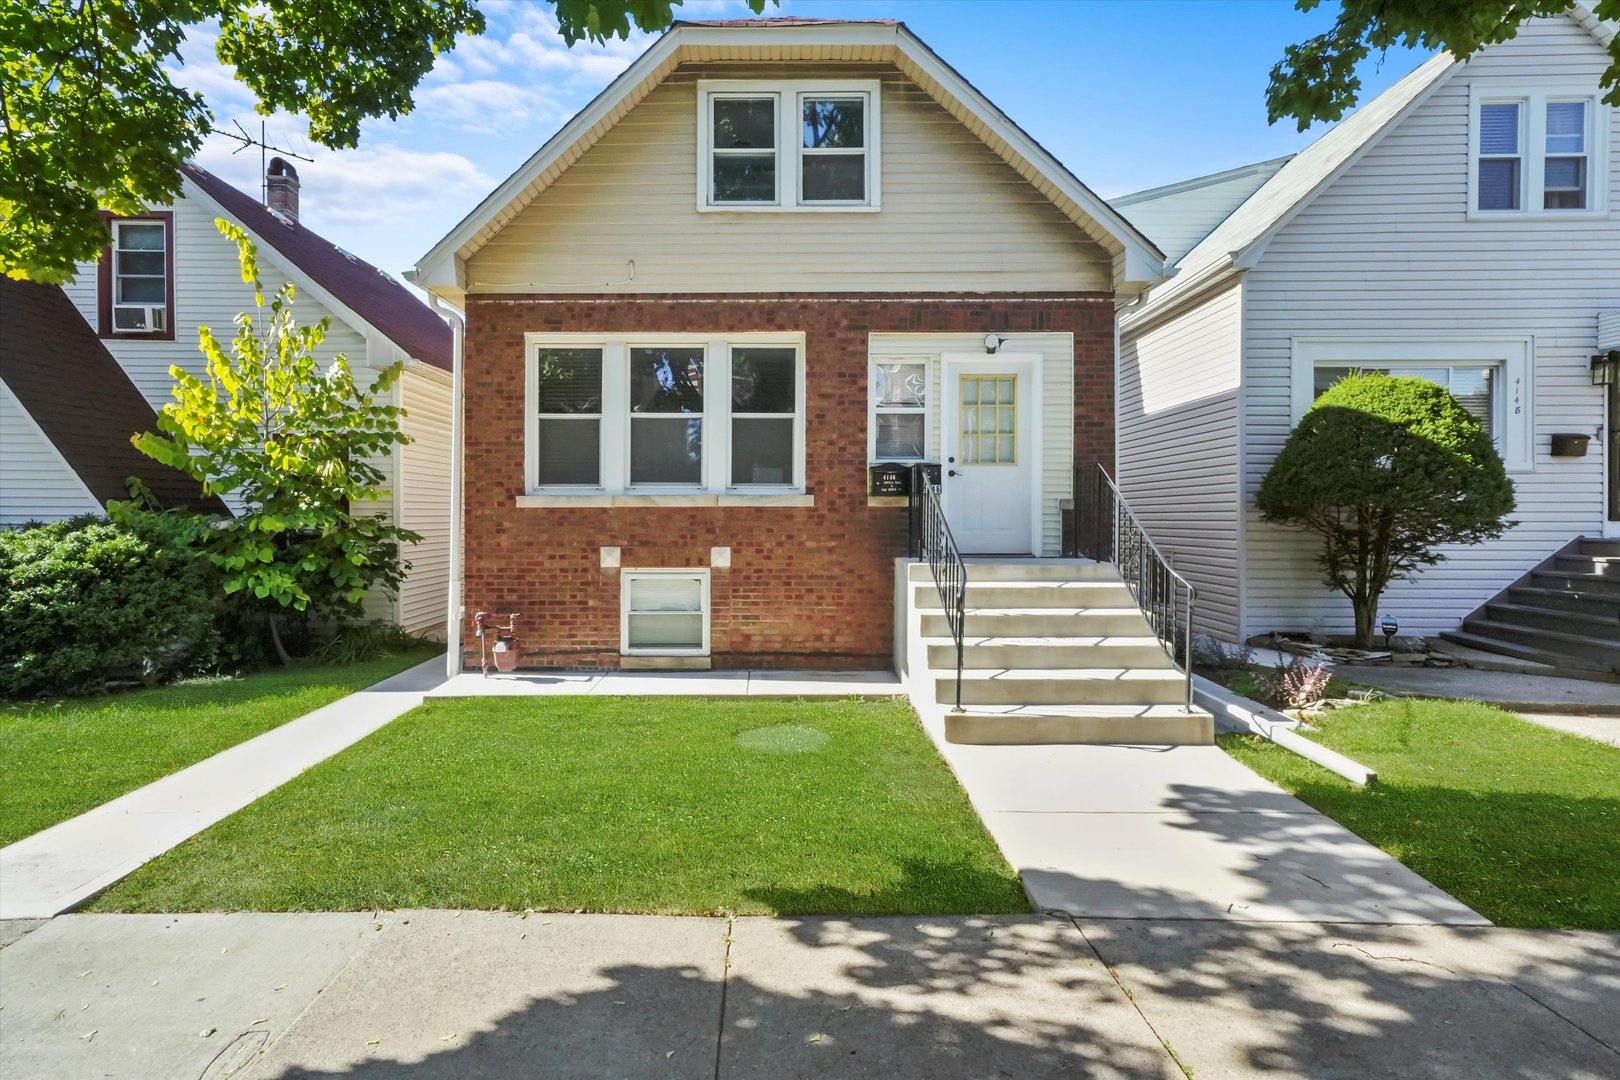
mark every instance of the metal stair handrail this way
{"type": "Point", "coordinates": [1106, 529]}
{"type": "Point", "coordinates": [931, 539]}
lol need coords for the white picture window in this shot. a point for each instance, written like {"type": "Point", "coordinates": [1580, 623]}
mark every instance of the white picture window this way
{"type": "Point", "coordinates": [666, 414]}
{"type": "Point", "coordinates": [898, 422]}
{"type": "Point", "coordinates": [1537, 152]}
{"type": "Point", "coordinates": [664, 612]}
{"type": "Point", "coordinates": [788, 145]}
{"type": "Point", "coordinates": [140, 280]}
{"type": "Point", "coordinates": [1489, 378]}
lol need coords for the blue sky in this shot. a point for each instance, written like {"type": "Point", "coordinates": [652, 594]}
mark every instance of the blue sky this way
{"type": "Point", "coordinates": [1129, 95]}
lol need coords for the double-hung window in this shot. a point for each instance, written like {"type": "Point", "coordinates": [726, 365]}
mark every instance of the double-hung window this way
{"type": "Point", "coordinates": [804, 145]}
{"type": "Point", "coordinates": [1537, 152]}
{"type": "Point", "coordinates": [137, 293]}
{"type": "Point", "coordinates": [898, 424]}
{"type": "Point", "coordinates": [677, 414]}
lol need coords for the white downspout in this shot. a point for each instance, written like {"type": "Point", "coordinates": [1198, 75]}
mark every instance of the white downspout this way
{"type": "Point", "coordinates": [453, 657]}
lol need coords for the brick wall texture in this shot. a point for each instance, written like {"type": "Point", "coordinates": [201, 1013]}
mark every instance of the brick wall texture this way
{"type": "Point", "coordinates": [808, 587]}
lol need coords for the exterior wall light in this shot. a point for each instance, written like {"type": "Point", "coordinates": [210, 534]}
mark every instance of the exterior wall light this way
{"type": "Point", "coordinates": [993, 343]}
{"type": "Point", "coordinates": [1606, 368]}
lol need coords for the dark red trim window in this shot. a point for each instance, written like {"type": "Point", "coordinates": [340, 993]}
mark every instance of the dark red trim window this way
{"type": "Point", "coordinates": [136, 278]}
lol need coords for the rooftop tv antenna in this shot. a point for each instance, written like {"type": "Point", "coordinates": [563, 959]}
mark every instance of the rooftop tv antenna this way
{"type": "Point", "coordinates": [246, 140]}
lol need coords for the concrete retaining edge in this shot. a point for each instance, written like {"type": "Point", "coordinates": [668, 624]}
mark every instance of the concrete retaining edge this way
{"type": "Point", "coordinates": [1233, 712]}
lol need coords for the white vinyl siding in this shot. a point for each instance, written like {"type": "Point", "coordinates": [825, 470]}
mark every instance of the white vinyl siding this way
{"type": "Point", "coordinates": [36, 483]}
{"type": "Point", "coordinates": [423, 484]}
{"type": "Point", "coordinates": [954, 217]}
{"type": "Point", "coordinates": [1178, 448]}
{"type": "Point", "coordinates": [1391, 250]}
{"type": "Point", "coordinates": [1056, 351]}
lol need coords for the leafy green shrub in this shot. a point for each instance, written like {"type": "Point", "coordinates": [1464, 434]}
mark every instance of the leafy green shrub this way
{"type": "Point", "coordinates": [355, 642]}
{"type": "Point", "coordinates": [85, 601]}
{"type": "Point", "coordinates": [1384, 469]}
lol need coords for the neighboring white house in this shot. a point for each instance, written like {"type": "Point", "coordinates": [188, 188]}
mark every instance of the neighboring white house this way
{"type": "Point", "coordinates": [170, 271]}
{"type": "Point", "coordinates": [1463, 226]}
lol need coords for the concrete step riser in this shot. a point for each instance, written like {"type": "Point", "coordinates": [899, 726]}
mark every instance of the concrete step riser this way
{"type": "Point", "coordinates": [1053, 657]}
{"type": "Point", "coordinates": [1168, 691]}
{"type": "Point", "coordinates": [1127, 624]}
{"type": "Point", "coordinates": [1601, 549]}
{"type": "Point", "coordinates": [1587, 655]}
{"type": "Point", "coordinates": [1601, 630]}
{"type": "Point", "coordinates": [1048, 595]}
{"type": "Point", "coordinates": [1585, 584]}
{"type": "Point", "coordinates": [1596, 607]}
{"type": "Point", "coordinates": [1195, 729]}
{"type": "Point", "coordinates": [1041, 571]}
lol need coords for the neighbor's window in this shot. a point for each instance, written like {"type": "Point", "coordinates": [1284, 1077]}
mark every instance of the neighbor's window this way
{"type": "Point", "coordinates": [899, 412]}
{"type": "Point", "coordinates": [664, 612]}
{"type": "Point", "coordinates": [1538, 152]}
{"type": "Point", "coordinates": [788, 145]}
{"type": "Point", "coordinates": [1475, 386]}
{"type": "Point", "coordinates": [140, 280]}
{"type": "Point", "coordinates": [569, 436]}
{"type": "Point", "coordinates": [666, 415]}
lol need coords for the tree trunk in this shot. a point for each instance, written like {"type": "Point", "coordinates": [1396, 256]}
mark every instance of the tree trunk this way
{"type": "Point", "coordinates": [1366, 609]}
{"type": "Point", "coordinates": [275, 641]}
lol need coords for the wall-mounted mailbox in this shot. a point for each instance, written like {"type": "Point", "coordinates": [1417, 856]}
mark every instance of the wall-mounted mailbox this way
{"type": "Point", "coordinates": [1569, 444]}
{"type": "Point", "coordinates": [889, 480]}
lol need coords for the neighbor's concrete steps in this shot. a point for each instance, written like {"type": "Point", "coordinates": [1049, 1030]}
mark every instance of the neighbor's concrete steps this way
{"type": "Point", "coordinates": [1055, 651]}
{"type": "Point", "coordinates": [1565, 613]}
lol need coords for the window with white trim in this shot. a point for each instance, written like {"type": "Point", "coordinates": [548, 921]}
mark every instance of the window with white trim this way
{"type": "Point", "coordinates": [653, 415]}
{"type": "Point", "coordinates": [897, 425]}
{"type": "Point", "coordinates": [664, 612]}
{"type": "Point", "coordinates": [1489, 378]}
{"type": "Point", "coordinates": [140, 278]}
{"type": "Point", "coordinates": [788, 145]}
{"type": "Point", "coordinates": [1537, 151]}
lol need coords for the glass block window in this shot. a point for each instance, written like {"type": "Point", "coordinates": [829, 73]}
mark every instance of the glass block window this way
{"type": "Point", "coordinates": [764, 415]}
{"type": "Point", "coordinates": [569, 402]}
{"type": "Point", "coordinates": [900, 410]}
{"type": "Point", "coordinates": [664, 612]}
{"type": "Point", "coordinates": [989, 419]}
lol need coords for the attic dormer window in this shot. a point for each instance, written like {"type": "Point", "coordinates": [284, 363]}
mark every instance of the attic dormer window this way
{"type": "Point", "coordinates": [788, 146]}
{"type": "Point", "coordinates": [136, 278]}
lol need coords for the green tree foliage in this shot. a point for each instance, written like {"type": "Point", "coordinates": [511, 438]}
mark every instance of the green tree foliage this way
{"type": "Point", "coordinates": [1316, 79]}
{"type": "Point", "coordinates": [85, 601]}
{"type": "Point", "coordinates": [90, 118]}
{"type": "Point", "coordinates": [298, 447]}
{"type": "Point", "coordinates": [1383, 470]}
{"type": "Point", "coordinates": [599, 20]}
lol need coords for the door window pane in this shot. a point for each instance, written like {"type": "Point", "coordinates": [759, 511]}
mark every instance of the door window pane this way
{"type": "Point", "coordinates": [989, 422]}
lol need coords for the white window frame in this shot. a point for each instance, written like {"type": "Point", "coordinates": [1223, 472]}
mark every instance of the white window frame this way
{"type": "Point", "coordinates": [1533, 101]}
{"type": "Point", "coordinates": [872, 410]}
{"type": "Point", "coordinates": [1514, 419]}
{"type": "Point", "coordinates": [614, 474]}
{"type": "Point", "coordinates": [789, 96]}
{"type": "Point", "coordinates": [168, 284]}
{"type": "Point", "coordinates": [627, 576]}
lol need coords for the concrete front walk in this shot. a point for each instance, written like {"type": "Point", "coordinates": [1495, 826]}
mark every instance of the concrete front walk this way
{"type": "Point", "coordinates": [1603, 729]}
{"type": "Point", "coordinates": [1184, 832]}
{"type": "Point", "coordinates": [438, 994]}
{"type": "Point", "coordinates": [777, 684]}
{"type": "Point", "coordinates": [58, 869]}
{"type": "Point", "coordinates": [1511, 690]}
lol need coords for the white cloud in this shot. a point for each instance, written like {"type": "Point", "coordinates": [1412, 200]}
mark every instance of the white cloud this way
{"type": "Point", "coordinates": [488, 106]}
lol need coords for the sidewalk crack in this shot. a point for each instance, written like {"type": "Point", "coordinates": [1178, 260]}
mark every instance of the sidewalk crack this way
{"type": "Point", "coordinates": [725, 982]}
{"type": "Point", "coordinates": [1590, 1035]}
{"type": "Point", "coordinates": [1186, 1070]}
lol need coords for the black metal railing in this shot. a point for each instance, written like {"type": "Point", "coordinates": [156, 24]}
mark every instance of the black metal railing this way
{"type": "Point", "coordinates": [1105, 529]}
{"type": "Point", "coordinates": [931, 539]}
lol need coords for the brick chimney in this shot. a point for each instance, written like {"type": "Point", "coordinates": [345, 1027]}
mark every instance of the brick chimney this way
{"type": "Point", "coordinates": [281, 189]}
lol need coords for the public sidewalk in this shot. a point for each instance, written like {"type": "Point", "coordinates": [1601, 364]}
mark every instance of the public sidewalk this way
{"type": "Point", "coordinates": [777, 684]}
{"type": "Point", "coordinates": [435, 995]}
{"type": "Point", "coordinates": [1179, 832]}
{"type": "Point", "coordinates": [58, 869]}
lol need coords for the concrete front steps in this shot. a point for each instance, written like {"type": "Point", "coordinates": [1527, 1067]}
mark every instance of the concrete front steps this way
{"type": "Point", "coordinates": [1055, 651]}
{"type": "Point", "coordinates": [1565, 612]}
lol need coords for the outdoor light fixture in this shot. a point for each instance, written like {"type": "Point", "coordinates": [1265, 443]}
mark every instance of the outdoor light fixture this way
{"type": "Point", "coordinates": [1606, 368]}
{"type": "Point", "coordinates": [993, 342]}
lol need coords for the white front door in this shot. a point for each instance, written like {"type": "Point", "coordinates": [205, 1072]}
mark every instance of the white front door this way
{"type": "Point", "coordinates": [989, 432]}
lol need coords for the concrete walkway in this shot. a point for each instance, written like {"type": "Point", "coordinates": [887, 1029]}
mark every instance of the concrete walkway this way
{"type": "Point", "coordinates": [1603, 729]}
{"type": "Point", "coordinates": [58, 869]}
{"type": "Point", "coordinates": [1511, 690]}
{"type": "Point", "coordinates": [777, 684]}
{"type": "Point", "coordinates": [1185, 832]}
{"type": "Point", "coordinates": [436, 994]}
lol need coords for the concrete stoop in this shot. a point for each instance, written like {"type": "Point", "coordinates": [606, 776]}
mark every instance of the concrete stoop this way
{"type": "Point", "coordinates": [1055, 651]}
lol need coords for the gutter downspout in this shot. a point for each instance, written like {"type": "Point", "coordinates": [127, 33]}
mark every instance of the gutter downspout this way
{"type": "Point", "coordinates": [453, 611]}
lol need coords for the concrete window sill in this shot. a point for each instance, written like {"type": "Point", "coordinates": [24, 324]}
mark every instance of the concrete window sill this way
{"type": "Point", "coordinates": [531, 502]}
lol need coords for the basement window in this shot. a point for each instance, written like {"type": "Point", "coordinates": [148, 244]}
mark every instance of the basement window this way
{"type": "Point", "coordinates": [664, 612]}
{"type": "Point", "coordinates": [788, 146]}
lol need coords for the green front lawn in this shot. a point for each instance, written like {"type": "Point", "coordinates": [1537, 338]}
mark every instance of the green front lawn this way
{"type": "Point", "coordinates": [59, 759]}
{"type": "Point", "coordinates": [606, 804]}
{"type": "Point", "coordinates": [1520, 823]}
